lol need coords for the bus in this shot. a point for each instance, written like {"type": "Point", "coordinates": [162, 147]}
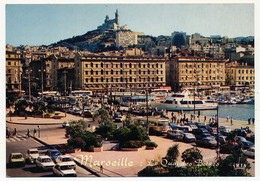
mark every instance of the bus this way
{"type": "Point", "coordinates": [78, 93]}
{"type": "Point", "coordinates": [161, 125]}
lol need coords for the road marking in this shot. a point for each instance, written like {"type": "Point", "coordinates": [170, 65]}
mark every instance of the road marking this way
{"type": "Point", "coordinates": [12, 139]}
{"type": "Point", "coordinates": [7, 140]}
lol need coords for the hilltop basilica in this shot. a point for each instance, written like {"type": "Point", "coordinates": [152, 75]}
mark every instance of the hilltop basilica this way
{"type": "Point", "coordinates": [112, 24]}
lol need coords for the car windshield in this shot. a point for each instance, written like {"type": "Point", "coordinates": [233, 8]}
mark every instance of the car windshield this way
{"type": "Point", "coordinates": [65, 167]}
{"type": "Point", "coordinates": [17, 156]}
{"type": "Point", "coordinates": [46, 160]}
{"type": "Point", "coordinates": [34, 152]}
{"type": "Point", "coordinates": [55, 153]}
{"type": "Point", "coordinates": [67, 159]}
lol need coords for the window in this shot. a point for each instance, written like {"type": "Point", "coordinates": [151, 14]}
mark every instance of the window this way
{"type": "Point", "coordinates": [86, 72]}
{"type": "Point", "coordinates": [97, 65]}
{"type": "Point", "coordinates": [130, 65]}
{"type": "Point", "coordinates": [102, 71]}
{"type": "Point", "coordinates": [112, 72]}
{"type": "Point", "coordinates": [112, 65]}
{"type": "Point", "coordinates": [102, 65]}
{"type": "Point", "coordinates": [92, 72]}
{"type": "Point", "coordinates": [96, 79]}
{"type": "Point", "coordinates": [91, 64]}
{"type": "Point", "coordinates": [9, 63]}
{"type": "Point", "coordinates": [92, 80]}
{"type": "Point", "coordinates": [102, 79]}
{"type": "Point", "coordinates": [96, 72]}
{"type": "Point", "coordinates": [121, 65]}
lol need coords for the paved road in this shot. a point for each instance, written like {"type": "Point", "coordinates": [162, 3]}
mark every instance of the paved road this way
{"type": "Point", "coordinates": [21, 143]}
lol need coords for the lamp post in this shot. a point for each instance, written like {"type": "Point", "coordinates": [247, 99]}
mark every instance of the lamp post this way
{"type": "Point", "coordinates": [65, 90]}
{"type": "Point", "coordinates": [29, 79]}
{"type": "Point", "coordinates": [217, 134]}
{"type": "Point", "coordinates": [41, 71]}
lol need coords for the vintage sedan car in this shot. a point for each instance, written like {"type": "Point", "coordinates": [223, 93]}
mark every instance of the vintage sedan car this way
{"type": "Point", "coordinates": [188, 137]}
{"type": "Point", "coordinates": [175, 134]}
{"type": "Point", "coordinates": [66, 159]}
{"type": "Point", "coordinates": [246, 144]}
{"type": "Point", "coordinates": [208, 142]}
{"type": "Point", "coordinates": [64, 169]}
{"type": "Point", "coordinates": [53, 154]}
{"type": "Point", "coordinates": [250, 152]}
{"type": "Point", "coordinates": [31, 155]}
{"type": "Point", "coordinates": [16, 159]}
{"type": "Point", "coordinates": [44, 163]}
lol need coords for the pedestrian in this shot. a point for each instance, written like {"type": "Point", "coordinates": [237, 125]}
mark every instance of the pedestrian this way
{"type": "Point", "coordinates": [7, 133]}
{"type": "Point", "coordinates": [39, 131]}
{"type": "Point", "coordinates": [227, 118]}
{"type": "Point", "coordinates": [249, 120]}
{"type": "Point", "coordinates": [14, 132]}
{"type": "Point", "coordinates": [101, 168]}
{"type": "Point", "coordinates": [253, 120]}
{"type": "Point", "coordinates": [28, 133]}
{"type": "Point", "coordinates": [205, 119]}
{"type": "Point", "coordinates": [231, 121]}
{"type": "Point", "coordinates": [34, 132]}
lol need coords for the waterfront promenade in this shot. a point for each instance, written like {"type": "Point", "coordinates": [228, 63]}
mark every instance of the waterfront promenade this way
{"type": "Point", "coordinates": [125, 163]}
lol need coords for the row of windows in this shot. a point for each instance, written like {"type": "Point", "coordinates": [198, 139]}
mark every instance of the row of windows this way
{"type": "Point", "coordinates": [9, 63]}
{"type": "Point", "coordinates": [121, 72]}
{"type": "Point", "coordinates": [202, 65]}
{"type": "Point", "coordinates": [245, 71]}
{"type": "Point", "coordinates": [246, 78]}
{"type": "Point", "coordinates": [206, 83]}
{"type": "Point", "coordinates": [243, 83]}
{"type": "Point", "coordinates": [112, 79]}
{"type": "Point", "coordinates": [130, 65]}
{"type": "Point", "coordinates": [202, 71]}
{"type": "Point", "coordinates": [202, 78]}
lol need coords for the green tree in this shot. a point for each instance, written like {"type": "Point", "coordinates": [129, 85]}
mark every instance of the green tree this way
{"type": "Point", "coordinates": [103, 117]}
{"type": "Point", "coordinates": [20, 106]}
{"type": "Point", "coordinates": [192, 156]}
{"type": "Point", "coordinates": [235, 164]}
{"type": "Point", "coordinates": [77, 143]}
{"type": "Point", "coordinates": [76, 129]}
{"type": "Point", "coordinates": [38, 107]}
{"type": "Point", "coordinates": [173, 153]}
{"type": "Point", "coordinates": [106, 131]}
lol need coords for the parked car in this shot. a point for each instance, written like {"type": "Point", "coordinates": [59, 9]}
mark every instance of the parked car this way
{"type": "Point", "coordinates": [65, 124]}
{"type": "Point", "coordinates": [222, 139]}
{"type": "Point", "coordinates": [199, 125]}
{"type": "Point", "coordinates": [210, 130]}
{"type": "Point", "coordinates": [228, 147]}
{"type": "Point", "coordinates": [224, 130]}
{"type": "Point", "coordinates": [44, 163]}
{"type": "Point", "coordinates": [249, 152]}
{"type": "Point", "coordinates": [67, 159]}
{"type": "Point", "coordinates": [175, 134]}
{"type": "Point", "coordinates": [188, 137]}
{"type": "Point", "coordinates": [120, 118]}
{"type": "Point", "coordinates": [64, 170]}
{"type": "Point", "coordinates": [246, 144]}
{"type": "Point", "coordinates": [31, 155]}
{"type": "Point", "coordinates": [199, 131]}
{"type": "Point", "coordinates": [208, 142]}
{"type": "Point", "coordinates": [16, 159]}
{"type": "Point", "coordinates": [53, 154]}
{"type": "Point", "coordinates": [250, 137]}
{"type": "Point", "coordinates": [240, 132]}
{"type": "Point", "coordinates": [202, 135]}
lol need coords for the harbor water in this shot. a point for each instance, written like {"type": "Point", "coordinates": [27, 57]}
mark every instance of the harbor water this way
{"type": "Point", "coordinates": [239, 112]}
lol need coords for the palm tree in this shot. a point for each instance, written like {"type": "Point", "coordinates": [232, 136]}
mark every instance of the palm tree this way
{"type": "Point", "coordinates": [192, 156]}
{"type": "Point", "coordinates": [173, 153]}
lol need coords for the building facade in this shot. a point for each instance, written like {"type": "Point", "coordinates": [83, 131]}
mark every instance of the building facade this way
{"type": "Point", "coordinates": [99, 73]}
{"type": "Point", "coordinates": [13, 72]}
{"type": "Point", "coordinates": [186, 72]}
{"type": "Point", "coordinates": [240, 75]}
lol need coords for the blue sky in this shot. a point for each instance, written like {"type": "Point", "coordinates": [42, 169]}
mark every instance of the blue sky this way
{"type": "Point", "coordinates": [39, 24]}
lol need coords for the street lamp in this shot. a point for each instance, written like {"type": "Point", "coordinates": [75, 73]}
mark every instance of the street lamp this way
{"type": "Point", "coordinates": [65, 90]}
{"type": "Point", "coordinates": [41, 71]}
{"type": "Point", "coordinates": [29, 79]}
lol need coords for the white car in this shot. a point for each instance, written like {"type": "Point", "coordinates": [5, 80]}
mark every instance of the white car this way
{"type": "Point", "coordinates": [65, 124]}
{"type": "Point", "coordinates": [45, 163]}
{"type": "Point", "coordinates": [31, 155]}
{"type": "Point", "coordinates": [250, 152]}
{"type": "Point", "coordinates": [66, 159]}
{"type": "Point", "coordinates": [64, 170]}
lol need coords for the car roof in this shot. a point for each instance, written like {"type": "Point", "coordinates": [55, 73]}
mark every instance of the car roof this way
{"type": "Point", "coordinates": [64, 156]}
{"type": "Point", "coordinates": [53, 150]}
{"type": "Point", "coordinates": [16, 153]}
{"type": "Point", "coordinates": [33, 149]}
{"type": "Point", "coordinates": [44, 156]}
{"type": "Point", "coordinates": [63, 163]}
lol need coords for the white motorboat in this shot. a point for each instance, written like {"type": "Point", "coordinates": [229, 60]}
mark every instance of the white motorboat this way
{"type": "Point", "coordinates": [180, 102]}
